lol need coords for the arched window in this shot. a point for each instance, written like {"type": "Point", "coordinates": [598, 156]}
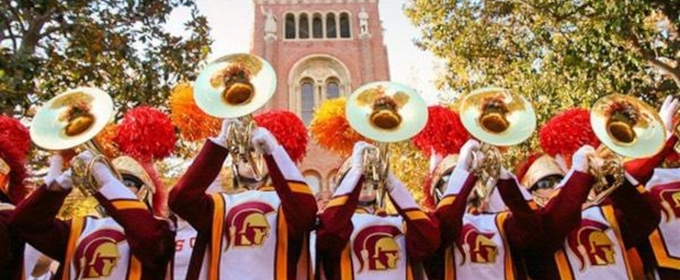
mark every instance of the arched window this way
{"type": "Point", "coordinates": [313, 181]}
{"type": "Point", "coordinates": [331, 26]}
{"type": "Point", "coordinates": [317, 26]}
{"type": "Point", "coordinates": [290, 26]}
{"type": "Point", "coordinates": [304, 26]}
{"type": "Point", "coordinates": [307, 100]}
{"type": "Point", "coordinates": [332, 89]}
{"type": "Point", "coordinates": [344, 25]}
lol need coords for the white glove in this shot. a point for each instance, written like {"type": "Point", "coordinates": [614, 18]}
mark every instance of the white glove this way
{"type": "Point", "coordinates": [64, 180]}
{"type": "Point", "coordinates": [358, 154]}
{"type": "Point", "coordinates": [221, 138]}
{"type": "Point", "coordinates": [579, 161]}
{"type": "Point", "coordinates": [101, 173]}
{"type": "Point", "coordinates": [505, 174]}
{"type": "Point", "coordinates": [465, 157]}
{"type": "Point", "coordinates": [392, 182]}
{"type": "Point", "coordinates": [55, 170]}
{"type": "Point", "coordinates": [263, 140]}
{"type": "Point", "coordinates": [668, 109]}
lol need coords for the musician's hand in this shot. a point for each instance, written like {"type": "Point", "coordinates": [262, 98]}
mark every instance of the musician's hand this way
{"type": "Point", "coordinates": [465, 157]}
{"type": "Point", "coordinates": [580, 160]}
{"type": "Point", "coordinates": [668, 110]}
{"type": "Point", "coordinates": [221, 138]}
{"type": "Point", "coordinates": [358, 154]}
{"type": "Point", "coordinates": [263, 140]}
{"type": "Point", "coordinates": [55, 170]}
{"type": "Point", "coordinates": [101, 173]}
{"type": "Point", "coordinates": [64, 180]}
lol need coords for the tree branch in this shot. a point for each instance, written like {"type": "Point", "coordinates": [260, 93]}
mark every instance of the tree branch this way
{"type": "Point", "coordinates": [673, 72]}
{"type": "Point", "coordinates": [16, 15]}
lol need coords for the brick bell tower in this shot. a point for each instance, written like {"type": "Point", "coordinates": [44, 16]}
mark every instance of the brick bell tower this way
{"type": "Point", "coordinates": [320, 49]}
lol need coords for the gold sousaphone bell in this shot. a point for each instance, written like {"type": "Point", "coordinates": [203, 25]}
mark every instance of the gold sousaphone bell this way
{"type": "Point", "coordinates": [72, 119]}
{"type": "Point", "coordinates": [235, 86]}
{"type": "Point", "coordinates": [384, 112]}
{"type": "Point", "coordinates": [627, 127]}
{"type": "Point", "coordinates": [496, 117]}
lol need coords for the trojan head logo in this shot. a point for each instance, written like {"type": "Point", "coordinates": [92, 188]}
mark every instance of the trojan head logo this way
{"type": "Point", "coordinates": [248, 225]}
{"type": "Point", "coordinates": [477, 246]}
{"type": "Point", "coordinates": [97, 254]}
{"type": "Point", "coordinates": [670, 201]}
{"type": "Point", "coordinates": [376, 247]}
{"type": "Point", "coordinates": [591, 244]}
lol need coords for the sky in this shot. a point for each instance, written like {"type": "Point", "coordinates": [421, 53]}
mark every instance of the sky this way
{"type": "Point", "coordinates": [231, 23]}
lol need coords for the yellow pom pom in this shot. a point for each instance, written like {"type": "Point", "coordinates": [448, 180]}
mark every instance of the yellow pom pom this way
{"type": "Point", "coordinates": [330, 128]}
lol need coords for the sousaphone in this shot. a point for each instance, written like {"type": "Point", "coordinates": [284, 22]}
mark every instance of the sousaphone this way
{"type": "Point", "coordinates": [73, 119]}
{"type": "Point", "coordinates": [384, 112]}
{"type": "Point", "coordinates": [235, 86]}
{"type": "Point", "coordinates": [626, 127]}
{"type": "Point", "coordinates": [497, 117]}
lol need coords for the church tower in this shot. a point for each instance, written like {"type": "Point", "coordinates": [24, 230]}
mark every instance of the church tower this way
{"type": "Point", "coordinates": [320, 49]}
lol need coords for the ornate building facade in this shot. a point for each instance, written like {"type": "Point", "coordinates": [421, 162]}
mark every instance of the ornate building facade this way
{"type": "Point", "coordinates": [320, 49]}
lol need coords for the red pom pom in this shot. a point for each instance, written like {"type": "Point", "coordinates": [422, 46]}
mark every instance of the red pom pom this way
{"type": "Point", "coordinates": [14, 146]}
{"type": "Point", "coordinates": [444, 132]}
{"type": "Point", "coordinates": [146, 133]}
{"type": "Point", "coordinates": [565, 133]}
{"type": "Point", "coordinates": [524, 165]}
{"type": "Point", "coordinates": [289, 131]}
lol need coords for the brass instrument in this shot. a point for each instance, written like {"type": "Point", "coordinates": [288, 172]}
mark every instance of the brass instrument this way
{"type": "Point", "coordinates": [497, 117]}
{"type": "Point", "coordinates": [384, 112]}
{"type": "Point", "coordinates": [73, 119]}
{"type": "Point", "coordinates": [235, 86]}
{"type": "Point", "coordinates": [626, 127]}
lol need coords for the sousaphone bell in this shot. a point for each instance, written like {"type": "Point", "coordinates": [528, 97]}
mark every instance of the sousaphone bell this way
{"type": "Point", "coordinates": [235, 86]}
{"type": "Point", "coordinates": [626, 127]}
{"type": "Point", "coordinates": [73, 119]}
{"type": "Point", "coordinates": [384, 112]}
{"type": "Point", "coordinates": [496, 117]}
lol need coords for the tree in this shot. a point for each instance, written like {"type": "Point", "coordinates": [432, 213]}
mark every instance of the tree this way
{"type": "Point", "coordinates": [559, 54]}
{"type": "Point", "coordinates": [47, 46]}
{"type": "Point", "coordinates": [573, 51]}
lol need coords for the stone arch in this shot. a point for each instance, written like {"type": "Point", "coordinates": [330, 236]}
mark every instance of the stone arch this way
{"type": "Point", "coordinates": [320, 68]}
{"type": "Point", "coordinates": [314, 180]}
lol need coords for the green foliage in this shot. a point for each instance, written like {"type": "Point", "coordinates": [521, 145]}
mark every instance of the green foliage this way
{"type": "Point", "coordinates": [559, 54]}
{"type": "Point", "coordinates": [47, 46]}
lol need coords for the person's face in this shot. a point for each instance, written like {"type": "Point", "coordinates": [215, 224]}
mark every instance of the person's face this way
{"type": "Point", "coordinates": [545, 188]}
{"type": "Point", "coordinates": [246, 172]}
{"type": "Point", "coordinates": [368, 193]}
{"type": "Point", "coordinates": [132, 183]}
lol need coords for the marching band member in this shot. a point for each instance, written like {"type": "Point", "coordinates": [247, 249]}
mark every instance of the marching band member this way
{"type": "Point", "coordinates": [130, 244]}
{"type": "Point", "coordinates": [484, 242]}
{"type": "Point", "coordinates": [596, 246]}
{"type": "Point", "coordinates": [660, 251]}
{"type": "Point", "coordinates": [357, 240]}
{"type": "Point", "coordinates": [259, 226]}
{"type": "Point", "coordinates": [14, 146]}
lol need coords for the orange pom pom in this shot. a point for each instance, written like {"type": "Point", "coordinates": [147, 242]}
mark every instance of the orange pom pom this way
{"type": "Point", "coordinates": [331, 130]}
{"type": "Point", "coordinates": [193, 124]}
{"type": "Point", "coordinates": [105, 141]}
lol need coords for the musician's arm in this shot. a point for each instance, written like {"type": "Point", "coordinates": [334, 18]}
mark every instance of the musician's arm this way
{"type": "Point", "coordinates": [188, 198]}
{"type": "Point", "coordinates": [335, 225]}
{"type": "Point", "coordinates": [636, 212]}
{"type": "Point", "coordinates": [524, 226]}
{"type": "Point", "coordinates": [35, 220]}
{"type": "Point", "coordinates": [642, 169]}
{"type": "Point", "coordinates": [451, 208]}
